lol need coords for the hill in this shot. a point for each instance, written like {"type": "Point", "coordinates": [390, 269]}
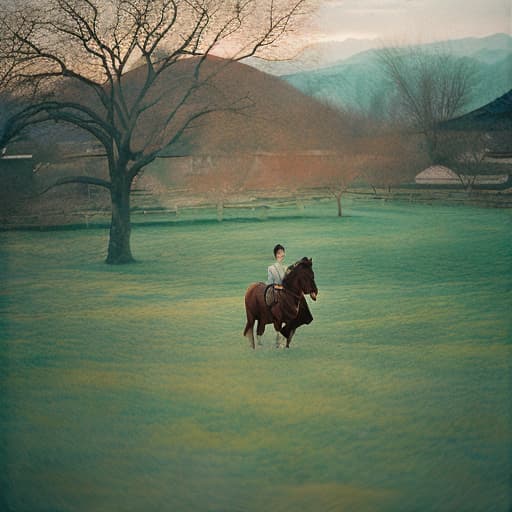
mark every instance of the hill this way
{"type": "Point", "coordinates": [359, 82]}
{"type": "Point", "coordinates": [251, 111]}
{"type": "Point", "coordinates": [255, 111]}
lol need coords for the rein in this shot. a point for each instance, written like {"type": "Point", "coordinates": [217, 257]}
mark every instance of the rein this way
{"type": "Point", "coordinates": [290, 279]}
{"type": "Point", "coordinates": [297, 296]}
{"type": "Point", "coordinates": [293, 294]}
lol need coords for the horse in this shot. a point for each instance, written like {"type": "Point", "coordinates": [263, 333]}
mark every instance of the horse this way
{"type": "Point", "coordinates": [289, 309]}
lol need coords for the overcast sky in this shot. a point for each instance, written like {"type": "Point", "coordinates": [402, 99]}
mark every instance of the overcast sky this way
{"type": "Point", "coordinates": [411, 21]}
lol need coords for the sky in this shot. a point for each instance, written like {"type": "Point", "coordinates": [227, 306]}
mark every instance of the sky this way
{"type": "Point", "coordinates": [346, 27]}
{"type": "Point", "coordinates": [410, 21]}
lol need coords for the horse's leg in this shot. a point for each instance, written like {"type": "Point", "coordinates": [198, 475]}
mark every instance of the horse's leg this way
{"type": "Point", "coordinates": [255, 309]}
{"type": "Point", "coordinates": [259, 334]}
{"type": "Point", "coordinates": [249, 329]}
{"type": "Point", "coordinates": [250, 336]}
{"type": "Point", "coordinates": [289, 338]}
{"type": "Point", "coordinates": [260, 330]}
{"type": "Point", "coordinates": [278, 339]}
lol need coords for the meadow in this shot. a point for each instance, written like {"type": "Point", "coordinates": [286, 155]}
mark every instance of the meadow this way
{"type": "Point", "coordinates": [131, 388]}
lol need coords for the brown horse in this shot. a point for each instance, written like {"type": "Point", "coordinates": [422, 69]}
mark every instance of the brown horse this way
{"type": "Point", "coordinates": [289, 310]}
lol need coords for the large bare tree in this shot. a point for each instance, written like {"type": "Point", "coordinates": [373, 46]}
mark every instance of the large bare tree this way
{"type": "Point", "coordinates": [99, 65]}
{"type": "Point", "coordinates": [430, 87]}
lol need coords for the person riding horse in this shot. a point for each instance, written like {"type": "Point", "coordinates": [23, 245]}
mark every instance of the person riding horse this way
{"type": "Point", "coordinates": [276, 273]}
{"type": "Point", "coordinates": [282, 305]}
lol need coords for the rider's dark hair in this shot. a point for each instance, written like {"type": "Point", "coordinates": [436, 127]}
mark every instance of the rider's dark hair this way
{"type": "Point", "coordinates": [278, 247]}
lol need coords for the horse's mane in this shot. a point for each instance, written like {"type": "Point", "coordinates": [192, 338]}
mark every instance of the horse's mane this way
{"type": "Point", "coordinates": [292, 269]}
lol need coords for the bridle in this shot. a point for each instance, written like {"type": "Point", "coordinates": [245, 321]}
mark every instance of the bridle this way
{"type": "Point", "coordinates": [298, 296]}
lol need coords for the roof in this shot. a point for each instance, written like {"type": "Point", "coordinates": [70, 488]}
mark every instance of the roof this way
{"type": "Point", "coordinates": [495, 116]}
{"type": "Point", "coordinates": [437, 174]}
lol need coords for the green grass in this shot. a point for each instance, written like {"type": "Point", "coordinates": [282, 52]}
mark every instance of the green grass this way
{"type": "Point", "coordinates": [131, 388]}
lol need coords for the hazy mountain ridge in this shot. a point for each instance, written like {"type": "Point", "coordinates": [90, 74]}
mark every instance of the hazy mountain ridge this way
{"type": "Point", "coordinates": [358, 82]}
{"type": "Point", "coordinates": [331, 53]}
{"type": "Point", "coordinates": [315, 56]}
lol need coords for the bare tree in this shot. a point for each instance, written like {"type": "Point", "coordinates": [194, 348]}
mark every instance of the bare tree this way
{"type": "Point", "coordinates": [219, 178]}
{"type": "Point", "coordinates": [340, 173]}
{"type": "Point", "coordinates": [430, 88]}
{"type": "Point", "coordinates": [100, 65]}
{"type": "Point", "coordinates": [299, 173]}
{"type": "Point", "coordinates": [393, 158]}
{"type": "Point", "coordinates": [464, 153]}
{"type": "Point", "coordinates": [331, 171]}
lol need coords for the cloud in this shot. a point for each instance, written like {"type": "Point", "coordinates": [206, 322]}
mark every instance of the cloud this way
{"type": "Point", "coordinates": [324, 37]}
{"type": "Point", "coordinates": [370, 5]}
{"type": "Point", "coordinates": [427, 20]}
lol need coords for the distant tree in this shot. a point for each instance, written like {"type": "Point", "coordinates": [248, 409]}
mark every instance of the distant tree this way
{"type": "Point", "coordinates": [297, 174]}
{"type": "Point", "coordinates": [393, 158]}
{"type": "Point", "coordinates": [464, 153]}
{"type": "Point", "coordinates": [339, 173]}
{"type": "Point", "coordinates": [70, 60]}
{"type": "Point", "coordinates": [384, 154]}
{"type": "Point", "coordinates": [293, 174]}
{"type": "Point", "coordinates": [331, 171]}
{"type": "Point", "coordinates": [218, 178]}
{"type": "Point", "coordinates": [430, 87]}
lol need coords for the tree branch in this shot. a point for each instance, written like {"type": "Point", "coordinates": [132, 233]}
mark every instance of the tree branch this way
{"type": "Point", "coordinates": [88, 180]}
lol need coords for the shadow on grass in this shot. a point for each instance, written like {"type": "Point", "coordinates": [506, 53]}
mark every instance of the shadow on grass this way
{"type": "Point", "coordinates": [167, 223]}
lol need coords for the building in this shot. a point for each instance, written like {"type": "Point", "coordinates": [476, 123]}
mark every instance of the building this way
{"type": "Point", "coordinates": [438, 175]}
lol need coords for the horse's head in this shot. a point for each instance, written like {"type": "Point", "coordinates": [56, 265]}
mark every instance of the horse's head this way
{"type": "Point", "coordinates": [301, 277]}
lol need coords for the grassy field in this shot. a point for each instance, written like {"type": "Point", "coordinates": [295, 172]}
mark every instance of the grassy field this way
{"type": "Point", "coordinates": [132, 389]}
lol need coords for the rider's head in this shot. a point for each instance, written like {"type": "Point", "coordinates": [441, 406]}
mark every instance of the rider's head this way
{"type": "Point", "coordinates": [279, 252]}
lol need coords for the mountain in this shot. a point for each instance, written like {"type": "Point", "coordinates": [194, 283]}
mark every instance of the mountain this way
{"type": "Point", "coordinates": [487, 49]}
{"type": "Point", "coordinates": [360, 83]}
{"type": "Point", "coordinates": [330, 53]}
{"type": "Point", "coordinates": [315, 56]}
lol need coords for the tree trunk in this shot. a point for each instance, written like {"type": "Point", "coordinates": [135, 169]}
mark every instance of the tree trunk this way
{"type": "Point", "coordinates": [338, 200]}
{"type": "Point", "coordinates": [220, 210]}
{"type": "Point", "coordinates": [431, 141]}
{"type": "Point", "coordinates": [120, 228]}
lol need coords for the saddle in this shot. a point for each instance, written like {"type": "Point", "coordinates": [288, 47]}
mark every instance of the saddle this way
{"type": "Point", "coordinates": [271, 294]}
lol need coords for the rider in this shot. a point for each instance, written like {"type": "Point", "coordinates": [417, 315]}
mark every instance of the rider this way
{"type": "Point", "coordinates": [275, 276]}
{"type": "Point", "coordinates": [277, 270]}
{"type": "Point", "coordinates": [276, 273]}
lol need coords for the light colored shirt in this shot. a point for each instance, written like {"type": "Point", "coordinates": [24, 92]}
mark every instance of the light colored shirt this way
{"type": "Point", "coordinates": [276, 273]}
